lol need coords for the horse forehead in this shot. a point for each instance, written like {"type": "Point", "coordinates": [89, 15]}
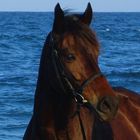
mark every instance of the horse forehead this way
{"type": "Point", "coordinates": [68, 40]}
{"type": "Point", "coordinates": [74, 42]}
{"type": "Point", "coordinates": [80, 45]}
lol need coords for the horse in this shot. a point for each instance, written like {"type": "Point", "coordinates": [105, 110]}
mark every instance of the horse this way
{"type": "Point", "coordinates": [73, 99]}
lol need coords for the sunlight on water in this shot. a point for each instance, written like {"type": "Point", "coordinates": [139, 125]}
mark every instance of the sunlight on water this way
{"type": "Point", "coordinates": [107, 29]}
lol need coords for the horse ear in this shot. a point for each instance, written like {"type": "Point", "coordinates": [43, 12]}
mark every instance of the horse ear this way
{"type": "Point", "coordinates": [58, 19]}
{"type": "Point", "coordinates": [87, 16]}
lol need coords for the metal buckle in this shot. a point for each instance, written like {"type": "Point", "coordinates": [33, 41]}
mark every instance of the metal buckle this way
{"type": "Point", "coordinates": [80, 99]}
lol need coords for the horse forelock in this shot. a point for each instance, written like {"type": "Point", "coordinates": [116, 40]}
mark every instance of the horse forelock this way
{"type": "Point", "coordinates": [81, 33]}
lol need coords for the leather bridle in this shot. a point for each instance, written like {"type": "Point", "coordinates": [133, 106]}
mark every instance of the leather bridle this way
{"type": "Point", "coordinates": [63, 78]}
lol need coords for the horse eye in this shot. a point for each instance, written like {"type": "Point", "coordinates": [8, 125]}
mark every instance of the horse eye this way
{"type": "Point", "coordinates": [70, 57]}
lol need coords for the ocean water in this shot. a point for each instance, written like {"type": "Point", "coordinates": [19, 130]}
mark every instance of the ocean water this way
{"type": "Point", "coordinates": [22, 37]}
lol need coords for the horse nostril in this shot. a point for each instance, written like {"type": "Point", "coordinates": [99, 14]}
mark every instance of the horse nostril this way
{"type": "Point", "coordinates": [107, 107]}
{"type": "Point", "coordinates": [108, 104]}
{"type": "Point", "coordinates": [105, 104]}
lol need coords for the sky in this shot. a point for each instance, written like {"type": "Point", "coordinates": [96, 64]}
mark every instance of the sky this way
{"type": "Point", "coordinates": [75, 5]}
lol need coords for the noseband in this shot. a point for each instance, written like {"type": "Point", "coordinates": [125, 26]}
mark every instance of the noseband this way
{"type": "Point", "coordinates": [63, 78]}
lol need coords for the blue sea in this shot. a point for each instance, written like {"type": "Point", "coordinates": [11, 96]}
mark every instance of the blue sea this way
{"type": "Point", "coordinates": [22, 36]}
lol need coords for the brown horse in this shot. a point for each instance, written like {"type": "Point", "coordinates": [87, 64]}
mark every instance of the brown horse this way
{"type": "Point", "coordinates": [73, 100]}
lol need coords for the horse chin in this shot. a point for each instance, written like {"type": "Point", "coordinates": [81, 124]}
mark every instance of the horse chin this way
{"type": "Point", "coordinates": [107, 108]}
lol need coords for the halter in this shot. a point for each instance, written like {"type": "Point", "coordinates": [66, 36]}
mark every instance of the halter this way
{"type": "Point", "coordinates": [63, 78]}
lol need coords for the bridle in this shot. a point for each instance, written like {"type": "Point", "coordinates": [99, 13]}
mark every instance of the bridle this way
{"type": "Point", "coordinates": [63, 78]}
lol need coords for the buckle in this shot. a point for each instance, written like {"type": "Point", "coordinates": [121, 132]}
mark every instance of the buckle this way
{"type": "Point", "coordinates": [80, 99]}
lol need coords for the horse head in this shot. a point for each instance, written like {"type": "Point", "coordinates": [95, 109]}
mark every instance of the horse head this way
{"type": "Point", "coordinates": [74, 54]}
